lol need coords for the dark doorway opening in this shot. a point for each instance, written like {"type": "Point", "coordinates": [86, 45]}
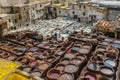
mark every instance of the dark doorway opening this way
{"type": "Point", "coordinates": [78, 19]}
{"type": "Point", "coordinates": [75, 17]}
{"type": "Point", "coordinates": [118, 35]}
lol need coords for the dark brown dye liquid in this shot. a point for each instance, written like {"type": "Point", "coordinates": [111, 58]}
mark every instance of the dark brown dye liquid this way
{"type": "Point", "coordinates": [50, 59]}
{"type": "Point", "coordinates": [43, 66]}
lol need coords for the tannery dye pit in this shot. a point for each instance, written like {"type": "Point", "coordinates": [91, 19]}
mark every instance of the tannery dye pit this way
{"type": "Point", "coordinates": [36, 44]}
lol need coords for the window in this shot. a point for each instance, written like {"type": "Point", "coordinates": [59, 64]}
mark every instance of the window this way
{"type": "Point", "coordinates": [19, 16]}
{"type": "Point", "coordinates": [14, 28]}
{"type": "Point", "coordinates": [54, 9]}
{"type": "Point", "coordinates": [9, 20]}
{"type": "Point", "coordinates": [40, 5]}
{"type": "Point", "coordinates": [11, 27]}
{"type": "Point", "coordinates": [84, 14]}
{"type": "Point", "coordinates": [15, 21]}
{"type": "Point", "coordinates": [73, 12]}
{"type": "Point", "coordinates": [59, 11]}
{"type": "Point", "coordinates": [84, 6]}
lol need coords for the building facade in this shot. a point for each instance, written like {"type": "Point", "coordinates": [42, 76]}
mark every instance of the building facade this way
{"type": "Point", "coordinates": [13, 2]}
{"type": "Point", "coordinates": [36, 11]}
{"type": "Point", "coordinates": [112, 7]}
{"type": "Point", "coordinates": [15, 21]}
{"type": "Point", "coordinates": [83, 12]}
{"type": "Point", "coordinates": [4, 18]}
{"type": "Point", "coordinates": [23, 9]}
{"type": "Point", "coordinates": [3, 25]}
{"type": "Point", "coordinates": [43, 1]}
